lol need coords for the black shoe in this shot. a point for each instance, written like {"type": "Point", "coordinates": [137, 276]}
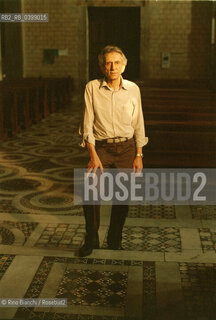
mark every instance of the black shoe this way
{"type": "Point", "coordinates": [86, 249]}
{"type": "Point", "coordinates": [115, 246]}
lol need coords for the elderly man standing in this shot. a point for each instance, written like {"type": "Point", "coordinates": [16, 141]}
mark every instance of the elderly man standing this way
{"type": "Point", "coordinates": [113, 131]}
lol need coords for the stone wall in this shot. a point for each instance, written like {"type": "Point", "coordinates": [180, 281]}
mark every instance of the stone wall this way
{"type": "Point", "coordinates": [65, 30]}
{"type": "Point", "coordinates": [169, 29]}
{"type": "Point", "coordinates": [181, 28]}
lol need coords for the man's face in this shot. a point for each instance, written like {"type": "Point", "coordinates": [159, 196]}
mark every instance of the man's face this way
{"type": "Point", "coordinates": [113, 66]}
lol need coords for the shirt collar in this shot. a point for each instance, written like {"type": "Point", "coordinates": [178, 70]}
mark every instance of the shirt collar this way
{"type": "Point", "coordinates": [122, 85]}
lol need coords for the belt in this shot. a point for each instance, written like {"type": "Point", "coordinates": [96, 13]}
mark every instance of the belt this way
{"type": "Point", "coordinates": [113, 140]}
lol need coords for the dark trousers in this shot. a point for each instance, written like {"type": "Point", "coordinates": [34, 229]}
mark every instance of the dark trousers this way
{"type": "Point", "coordinates": [112, 155]}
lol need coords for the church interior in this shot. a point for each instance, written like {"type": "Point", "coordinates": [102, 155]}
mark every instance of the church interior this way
{"type": "Point", "coordinates": [167, 269]}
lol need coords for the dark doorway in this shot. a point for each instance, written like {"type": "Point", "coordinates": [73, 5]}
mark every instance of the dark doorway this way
{"type": "Point", "coordinates": [116, 26]}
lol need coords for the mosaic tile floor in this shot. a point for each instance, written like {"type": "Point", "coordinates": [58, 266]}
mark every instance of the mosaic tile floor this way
{"type": "Point", "coordinates": [208, 240]}
{"type": "Point", "coordinates": [151, 239]}
{"type": "Point", "coordinates": [167, 267]}
{"type": "Point", "coordinates": [62, 236]}
{"type": "Point", "coordinates": [199, 289]}
{"type": "Point", "coordinates": [203, 212]}
{"type": "Point", "coordinates": [150, 211]}
{"type": "Point", "coordinates": [5, 261]}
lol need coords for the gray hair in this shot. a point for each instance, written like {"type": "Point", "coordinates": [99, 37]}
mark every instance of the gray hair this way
{"type": "Point", "coordinates": [108, 49]}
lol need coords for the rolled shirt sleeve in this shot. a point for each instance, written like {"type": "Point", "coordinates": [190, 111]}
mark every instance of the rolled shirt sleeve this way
{"type": "Point", "coordinates": [86, 127]}
{"type": "Point", "coordinates": [138, 122]}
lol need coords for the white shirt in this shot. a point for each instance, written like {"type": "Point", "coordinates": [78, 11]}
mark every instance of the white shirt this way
{"type": "Point", "coordinates": [112, 113]}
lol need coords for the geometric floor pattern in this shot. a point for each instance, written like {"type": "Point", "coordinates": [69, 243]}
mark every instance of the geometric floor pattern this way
{"type": "Point", "coordinates": [25, 227]}
{"type": "Point", "coordinates": [152, 239]}
{"type": "Point", "coordinates": [198, 282]}
{"type": "Point", "coordinates": [152, 211]}
{"type": "Point", "coordinates": [208, 240]}
{"type": "Point", "coordinates": [5, 261]}
{"type": "Point", "coordinates": [7, 237]}
{"type": "Point", "coordinates": [203, 212]}
{"type": "Point", "coordinates": [6, 206]}
{"type": "Point", "coordinates": [94, 288]}
{"type": "Point", "coordinates": [167, 269]}
{"type": "Point", "coordinates": [90, 288]}
{"type": "Point", "coordinates": [61, 236]}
